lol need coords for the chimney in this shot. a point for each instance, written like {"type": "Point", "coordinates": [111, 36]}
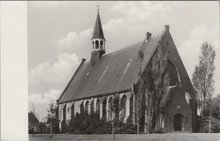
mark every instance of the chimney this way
{"type": "Point", "coordinates": [83, 59]}
{"type": "Point", "coordinates": [148, 35]}
{"type": "Point", "coordinates": [167, 28]}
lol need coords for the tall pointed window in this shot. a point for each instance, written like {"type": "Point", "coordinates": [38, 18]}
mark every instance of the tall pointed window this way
{"type": "Point", "coordinates": [116, 107]}
{"type": "Point", "coordinates": [72, 111]}
{"type": "Point", "coordinates": [104, 109]}
{"type": "Point", "coordinates": [98, 107]}
{"type": "Point", "coordinates": [64, 113]}
{"type": "Point", "coordinates": [123, 107]}
{"type": "Point", "coordinates": [81, 108]}
{"type": "Point", "coordinates": [87, 106]}
{"type": "Point", "coordinates": [110, 109]}
{"type": "Point", "coordinates": [131, 106]}
{"type": "Point", "coordinates": [92, 107]}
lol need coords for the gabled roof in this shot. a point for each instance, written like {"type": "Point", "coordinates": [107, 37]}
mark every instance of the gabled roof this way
{"type": "Point", "coordinates": [114, 72]}
{"type": "Point", "coordinates": [32, 118]}
{"type": "Point", "coordinates": [98, 32]}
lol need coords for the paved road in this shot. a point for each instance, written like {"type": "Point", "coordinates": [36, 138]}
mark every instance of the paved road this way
{"type": "Point", "coordinates": [130, 137]}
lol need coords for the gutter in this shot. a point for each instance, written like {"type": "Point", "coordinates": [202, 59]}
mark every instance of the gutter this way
{"type": "Point", "coordinates": [104, 94]}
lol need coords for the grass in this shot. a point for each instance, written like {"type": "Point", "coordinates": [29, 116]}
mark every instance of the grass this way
{"type": "Point", "coordinates": [129, 137]}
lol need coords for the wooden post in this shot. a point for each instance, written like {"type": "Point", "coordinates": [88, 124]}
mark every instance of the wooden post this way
{"type": "Point", "coordinates": [51, 132]}
{"type": "Point", "coordinates": [210, 116]}
{"type": "Point", "coordinates": [113, 131]}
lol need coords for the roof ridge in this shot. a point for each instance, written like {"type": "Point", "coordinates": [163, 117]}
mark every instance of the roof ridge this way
{"type": "Point", "coordinates": [80, 88]}
{"type": "Point", "coordinates": [133, 45]}
{"type": "Point", "coordinates": [121, 49]}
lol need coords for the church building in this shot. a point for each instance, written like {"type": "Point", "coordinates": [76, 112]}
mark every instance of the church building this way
{"type": "Point", "coordinates": [148, 80]}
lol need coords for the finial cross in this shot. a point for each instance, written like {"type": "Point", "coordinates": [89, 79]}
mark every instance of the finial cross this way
{"type": "Point", "coordinates": [98, 6]}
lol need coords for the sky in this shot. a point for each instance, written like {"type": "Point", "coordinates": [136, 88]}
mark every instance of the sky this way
{"type": "Point", "coordinates": [59, 36]}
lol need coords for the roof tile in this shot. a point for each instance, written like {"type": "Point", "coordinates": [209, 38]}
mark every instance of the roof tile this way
{"type": "Point", "coordinates": [116, 78]}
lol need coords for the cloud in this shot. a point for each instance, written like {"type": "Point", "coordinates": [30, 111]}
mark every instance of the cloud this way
{"type": "Point", "coordinates": [142, 14]}
{"type": "Point", "coordinates": [74, 41]}
{"type": "Point", "coordinates": [190, 49]}
{"type": "Point", "coordinates": [140, 11]}
{"type": "Point", "coordinates": [50, 75]}
{"type": "Point", "coordinates": [39, 102]}
{"type": "Point", "coordinates": [136, 17]}
{"type": "Point", "coordinates": [50, 4]}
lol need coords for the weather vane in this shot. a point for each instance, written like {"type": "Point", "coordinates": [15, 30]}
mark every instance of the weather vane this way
{"type": "Point", "coordinates": [98, 6]}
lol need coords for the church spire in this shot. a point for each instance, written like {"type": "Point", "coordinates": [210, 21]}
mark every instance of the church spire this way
{"type": "Point", "coordinates": [98, 32]}
{"type": "Point", "coordinates": [98, 41]}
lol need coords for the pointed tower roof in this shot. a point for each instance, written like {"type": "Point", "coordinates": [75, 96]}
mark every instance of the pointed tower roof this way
{"type": "Point", "coordinates": [98, 32]}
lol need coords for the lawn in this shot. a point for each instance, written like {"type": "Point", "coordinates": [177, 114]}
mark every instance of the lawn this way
{"type": "Point", "coordinates": [130, 137]}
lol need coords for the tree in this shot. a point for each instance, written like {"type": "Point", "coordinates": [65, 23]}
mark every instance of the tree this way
{"type": "Point", "coordinates": [52, 119]}
{"type": "Point", "coordinates": [216, 107]}
{"type": "Point", "coordinates": [203, 80]}
{"type": "Point", "coordinates": [203, 75]}
{"type": "Point", "coordinates": [150, 90]}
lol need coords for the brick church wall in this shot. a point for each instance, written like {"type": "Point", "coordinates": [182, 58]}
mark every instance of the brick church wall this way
{"type": "Point", "coordinates": [178, 95]}
{"type": "Point", "coordinates": [177, 105]}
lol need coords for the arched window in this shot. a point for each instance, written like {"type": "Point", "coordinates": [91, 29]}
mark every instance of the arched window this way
{"type": "Point", "coordinates": [93, 44]}
{"type": "Point", "coordinates": [92, 106]}
{"type": "Point", "coordinates": [98, 107]}
{"type": "Point", "coordinates": [87, 106]}
{"type": "Point", "coordinates": [96, 44]}
{"type": "Point", "coordinates": [81, 108]}
{"type": "Point", "coordinates": [63, 123]}
{"type": "Point", "coordinates": [110, 106]}
{"type": "Point", "coordinates": [172, 73]}
{"type": "Point", "coordinates": [116, 107]}
{"type": "Point", "coordinates": [131, 106]}
{"type": "Point", "coordinates": [101, 45]}
{"type": "Point", "coordinates": [64, 113]}
{"type": "Point", "coordinates": [104, 109]}
{"type": "Point", "coordinates": [123, 107]}
{"type": "Point", "coordinates": [72, 111]}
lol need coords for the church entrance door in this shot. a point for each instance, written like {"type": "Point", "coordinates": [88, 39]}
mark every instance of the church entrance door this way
{"type": "Point", "coordinates": [178, 119]}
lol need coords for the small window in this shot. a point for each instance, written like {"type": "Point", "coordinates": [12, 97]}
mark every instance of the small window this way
{"type": "Point", "coordinates": [167, 43]}
{"type": "Point", "coordinates": [101, 45]}
{"type": "Point", "coordinates": [93, 44]}
{"type": "Point", "coordinates": [96, 44]}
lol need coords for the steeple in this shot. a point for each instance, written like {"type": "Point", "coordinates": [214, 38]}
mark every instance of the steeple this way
{"type": "Point", "coordinates": [98, 32]}
{"type": "Point", "coordinates": [98, 41]}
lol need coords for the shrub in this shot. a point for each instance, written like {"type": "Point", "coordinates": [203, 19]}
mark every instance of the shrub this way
{"type": "Point", "coordinates": [91, 124]}
{"type": "Point", "coordinates": [215, 125]}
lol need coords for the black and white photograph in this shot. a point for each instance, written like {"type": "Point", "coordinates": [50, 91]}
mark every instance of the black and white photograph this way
{"type": "Point", "coordinates": [120, 71]}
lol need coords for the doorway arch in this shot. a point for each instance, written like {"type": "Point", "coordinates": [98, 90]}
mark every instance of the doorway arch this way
{"type": "Point", "coordinates": [178, 122]}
